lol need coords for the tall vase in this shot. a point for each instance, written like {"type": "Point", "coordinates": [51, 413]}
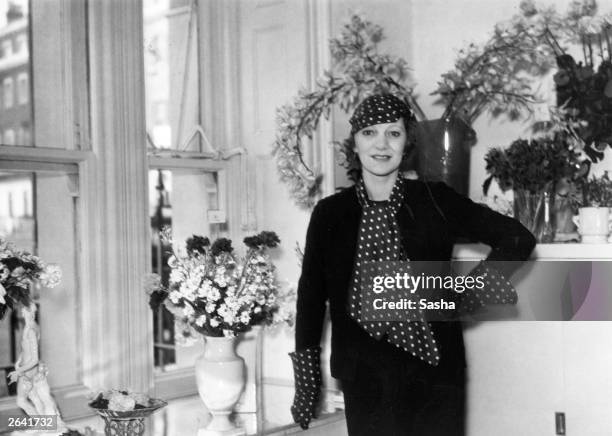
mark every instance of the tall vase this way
{"type": "Point", "coordinates": [535, 212]}
{"type": "Point", "coordinates": [443, 152]}
{"type": "Point", "coordinates": [220, 376]}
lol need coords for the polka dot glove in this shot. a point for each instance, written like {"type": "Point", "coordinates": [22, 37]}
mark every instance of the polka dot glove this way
{"type": "Point", "coordinates": [497, 289]}
{"type": "Point", "coordinates": [307, 376]}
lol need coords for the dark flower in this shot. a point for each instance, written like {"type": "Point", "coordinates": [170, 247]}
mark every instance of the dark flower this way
{"type": "Point", "coordinates": [157, 298]}
{"type": "Point", "coordinates": [252, 241]}
{"type": "Point", "coordinates": [531, 165]}
{"type": "Point", "coordinates": [100, 402]}
{"type": "Point", "coordinates": [197, 244]}
{"type": "Point", "coordinates": [270, 239]}
{"type": "Point", "coordinates": [221, 245]}
{"type": "Point", "coordinates": [263, 239]}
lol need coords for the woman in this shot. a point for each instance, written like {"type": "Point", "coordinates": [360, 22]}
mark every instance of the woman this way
{"type": "Point", "coordinates": [404, 378]}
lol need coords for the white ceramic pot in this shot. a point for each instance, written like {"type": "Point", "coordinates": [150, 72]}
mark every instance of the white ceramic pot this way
{"type": "Point", "coordinates": [593, 224]}
{"type": "Point", "coordinates": [220, 376]}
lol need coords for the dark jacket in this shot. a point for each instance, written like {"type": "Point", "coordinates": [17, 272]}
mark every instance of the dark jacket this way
{"type": "Point", "coordinates": [431, 219]}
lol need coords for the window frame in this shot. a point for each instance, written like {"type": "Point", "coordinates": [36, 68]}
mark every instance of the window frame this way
{"type": "Point", "coordinates": [180, 382]}
{"type": "Point", "coordinates": [76, 164]}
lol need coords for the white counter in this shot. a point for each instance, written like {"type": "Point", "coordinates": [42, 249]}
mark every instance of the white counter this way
{"type": "Point", "coordinates": [558, 251]}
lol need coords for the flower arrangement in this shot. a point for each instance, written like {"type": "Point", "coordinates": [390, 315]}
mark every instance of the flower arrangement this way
{"type": "Point", "coordinates": [531, 165]}
{"type": "Point", "coordinates": [497, 75]}
{"type": "Point", "coordinates": [122, 401]}
{"type": "Point", "coordinates": [358, 70]}
{"type": "Point", "coordinates": [583, 89]}
{"type": "Point", "coordinates": [593, 192]}
{"type": "Point", "coordinates": [19, 270]}
{"type": "Point", "coordinates": [212, 292]}
{"type": "Point", "coordinates": [123, 412]}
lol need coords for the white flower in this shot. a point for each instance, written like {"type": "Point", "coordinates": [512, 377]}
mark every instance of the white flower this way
{"type": "Point", "coordinates": [121, 403]}
{"type": "Point", "coordinates": [176, 276]}
{"type": "Point", "coordinates": [214, 294]}
{"type": "Point", "coordinates": [188, 310]}
{"type": "Point", "coordinates": [175, 297]}
{"type": "Point", "coordinates": [210, 307]}
{"type": "Point", "coordinates": [2, 294]}
{"type": "Point", "coordinates": [51, 276]}
{"type": "Point", "coordinates": [200, 320]}
{"type": "Point", "coordinates": [214, 322]}
{"type": "Point", "coordinates": [151, 283]}
{"type": "Point", "coordinates": [245, 318]}
{"type": "Point", "coordinates": [187, 292]}
{"type": "Point", "coordinates": [140, 398]}
{"type": "Point", "coordinates": [204, 288]}
{"type": "Point", "coordinates": [18, 271]}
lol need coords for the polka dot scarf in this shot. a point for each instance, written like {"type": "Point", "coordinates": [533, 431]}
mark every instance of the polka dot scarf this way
{"type": "Point", "coordinates": [378, 241]}
{"type": "Point", "coordinates": [378, 109]}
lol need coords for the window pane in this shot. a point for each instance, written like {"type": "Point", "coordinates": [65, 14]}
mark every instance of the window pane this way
{"type": "Point", "coordinates": [15, 70]}
{"type": "Point", "coordinates": [37, 214]}
{"type": "Point", "coordinates": [171, 74]}
{"type": "Point", "coordinates": [182, 200]}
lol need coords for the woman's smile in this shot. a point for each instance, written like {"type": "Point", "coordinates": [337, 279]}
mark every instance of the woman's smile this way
{"type": "Point", "coordinates": [380, 147]}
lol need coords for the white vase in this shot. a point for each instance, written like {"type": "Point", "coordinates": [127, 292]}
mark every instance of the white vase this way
{"type": "Point", "coordinates": [593, 224]}
{"type": "Point", "coordinates": [220, 378]}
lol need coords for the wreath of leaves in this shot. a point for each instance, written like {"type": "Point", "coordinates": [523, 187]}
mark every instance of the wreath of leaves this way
{"type": "Point", "coordinates": [358, 70]}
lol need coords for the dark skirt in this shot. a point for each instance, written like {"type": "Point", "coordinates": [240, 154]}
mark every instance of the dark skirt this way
{"type": "Point", "coordinates": [401, 398]}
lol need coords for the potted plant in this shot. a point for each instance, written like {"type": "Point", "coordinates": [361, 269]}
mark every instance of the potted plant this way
{"type": "Point", "coordinates": [215, 294]}
{"type": "Point", "coordinates": [593, 203]}
{"type": "Point", "coordinates": [124, 412]}
{"type": "Point", "coordinates": [532, 169]}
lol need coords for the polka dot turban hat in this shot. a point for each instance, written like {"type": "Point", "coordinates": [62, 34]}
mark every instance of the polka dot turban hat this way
{"type": "Point", "coordinates": [378, 109]}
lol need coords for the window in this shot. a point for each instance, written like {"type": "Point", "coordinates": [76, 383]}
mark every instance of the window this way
{"type": "Point", "coordinates": [21, 44]}
{"type": "Point", "coordinates": [178, 198]}
{"type": "Point", "coordinates": [7, 85]}
{"type": "Point", "coordinates": [50, 233]}
{"type": "Point", "coordinates": [172, 75]}
{"type": "Point", "coordinates": [9, 137]}
{"type": "Point", "coordinates": [7, 48]}
{"type": "Point", "coordinates": [183, 200]}
{"type": "Point", "coordinates": [22, 88]}
{"type": "Point", "coordinates": [42, 206]}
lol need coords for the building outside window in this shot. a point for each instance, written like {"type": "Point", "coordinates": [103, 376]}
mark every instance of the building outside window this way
{"type": "Point", "coordinates": [22, 88]}
{"type": "Point", "coordinates": [8, 91]}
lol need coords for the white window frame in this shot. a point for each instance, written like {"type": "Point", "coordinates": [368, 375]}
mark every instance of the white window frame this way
{"type": "Point", "coordinates": [62, 146]}
{"type": "Point", "coordinates": [104, 143]}
{"type": "Point", "coordinates": [76, 164]}
{"type": "Point", "coordinates": [8, 90]}
{"type": "Point", "coordinates": [181, 382]}
{"type": "Point", "coordinates": [8, 138]}
{"type": "Point", "coordinates": [7, 49]}
{"type": "Point", "coordinates": [22, 88]}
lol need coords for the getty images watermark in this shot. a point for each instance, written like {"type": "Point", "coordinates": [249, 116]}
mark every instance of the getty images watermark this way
{"type": "Point", "coordinates": [521, 291]}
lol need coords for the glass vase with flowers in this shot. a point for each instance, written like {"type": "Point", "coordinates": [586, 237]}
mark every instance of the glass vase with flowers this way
{"type": "Point", "coordinates": [533, 169]}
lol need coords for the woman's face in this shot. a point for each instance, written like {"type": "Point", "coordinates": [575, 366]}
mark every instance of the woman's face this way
{"type": "Point", "coordinates": [380, 147]}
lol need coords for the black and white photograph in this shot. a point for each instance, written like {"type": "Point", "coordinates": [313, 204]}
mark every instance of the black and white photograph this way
{"type": "Point", "coordinates": [305, 217]}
